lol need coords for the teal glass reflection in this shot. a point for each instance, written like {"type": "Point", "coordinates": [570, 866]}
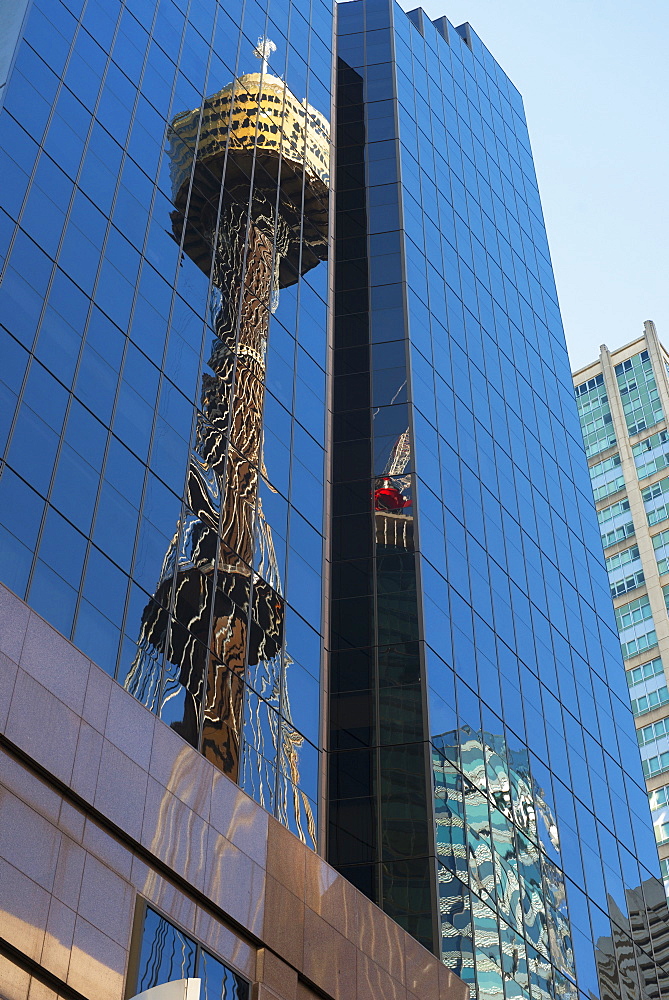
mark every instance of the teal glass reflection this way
{"type": "Point", "coordinates": [494, 829]}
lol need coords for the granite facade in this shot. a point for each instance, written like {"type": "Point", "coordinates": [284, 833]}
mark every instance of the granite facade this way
{"type": "Point", "coordinates": [102, 805]}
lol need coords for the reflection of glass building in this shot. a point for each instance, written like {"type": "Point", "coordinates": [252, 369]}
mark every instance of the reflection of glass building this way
{"type": "Point", "coordinates": [623, 399]}
{"type": "Point", "coordinates": [309, 487]}
{"type": "Point", "coordinates": [181, 524]}
{"type": "Point", "coordinates": [250, 185]}
{"type": "Point", "coordinates": [626, 969]}
{"type": "Point", "coordinates": [495, 833]}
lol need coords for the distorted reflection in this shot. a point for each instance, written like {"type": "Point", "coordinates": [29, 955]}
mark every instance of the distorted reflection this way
{"type": "Point", "coordinates": [496, 881]}
{"type": "Point", "coordinates": [250, 186]}
{"type": "Point", "coordinates": [167, 954]}
{"type": "Point", "coordinates": [392, 495]}
{"type": "Point", "coordinates": [638, 946]}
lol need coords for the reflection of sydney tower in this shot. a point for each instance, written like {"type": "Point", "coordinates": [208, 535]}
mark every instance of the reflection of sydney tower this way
{"type": "Point", "coordinates": [255, 217]}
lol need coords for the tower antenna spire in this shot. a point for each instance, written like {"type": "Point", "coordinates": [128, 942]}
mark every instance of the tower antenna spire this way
{"type": "Point", "coordinates": [263, 50]}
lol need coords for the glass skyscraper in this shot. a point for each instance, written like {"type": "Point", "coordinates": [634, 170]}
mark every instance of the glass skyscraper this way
{"type": "Point", "coordinates": [485, 781]}
{"type": "Point", "coordinates": [290, 453]}
{"type": "Point", "coordinates": [164, 298]}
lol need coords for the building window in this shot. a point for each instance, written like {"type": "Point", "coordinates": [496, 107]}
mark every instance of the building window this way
{"type": "Point", "coordinates": [626, 560]}
{"type": "Point", "coordinates": [627, 583]}
{"type": "Point", "coordinates": [617, 534]}
{"type": "Point", "coordinates": [639, 393]}
{"type": "Point", "coordinates": [617, 522]}
{"type": "Point", "coordinates": [661, 546]}
{"type": "Point", "coordinates": [656, 501]}
{"type": "Point", "coordinates": [639, 644]}
{"type": "Point", "coordinates": [648, 688]}
{"type": "Point", "coordinates": [664, 869]}
{"type": "Point", "coordinates": [652, 454]}
{"type": "Point", "coordinates": [642, 673]}
{"type": "Point", "coordinates": [659, 798]}
{"type": "Point", "coordinates": [629, 615]}
{"type": "Point", "coordinates": [652, 699]}
{"type": "Point", "coordinates": [595, 416]}
{"type": "Point", "coordinates": [652, 733]}
{"type": "Point", "coordinates": [625, 572]}
{"type": "Point", "coordinates": [661, 833]}
{"type": "Point", "coordinates": [166, 953]}
{"type": "Point", "coordinates": [656, 765]}
{"type": "Point", "coordinates": [606, 478]}
{"type": "Point", "coordinates": [658, 801]}
{"type": "Point", "coordinates": [661, 829]}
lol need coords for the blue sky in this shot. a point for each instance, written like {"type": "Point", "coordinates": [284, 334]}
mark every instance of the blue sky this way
{"type": "Point", "coordinates": [594, 75]}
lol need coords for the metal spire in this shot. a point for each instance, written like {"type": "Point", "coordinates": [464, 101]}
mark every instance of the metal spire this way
{"type": "Point", "coordinates": [263, 50]}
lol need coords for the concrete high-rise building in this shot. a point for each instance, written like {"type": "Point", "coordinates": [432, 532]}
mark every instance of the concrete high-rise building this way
{"type": "Point", "coordinates": [623, 402]}
{"type": "Point", "coordinates": [303, 608]}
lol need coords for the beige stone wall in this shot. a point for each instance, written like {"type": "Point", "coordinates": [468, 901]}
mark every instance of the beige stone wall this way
{"type": "Point", "coordinates": [102, 803]}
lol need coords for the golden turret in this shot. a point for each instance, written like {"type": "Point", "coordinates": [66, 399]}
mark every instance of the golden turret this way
{"type": "Point", "coordinates": [254, 118]}
{"type": "Point", "coordinates": [250, 185]}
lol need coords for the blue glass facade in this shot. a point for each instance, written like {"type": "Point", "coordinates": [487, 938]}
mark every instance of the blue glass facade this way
{"type": "Point", "coordinates": [166, 954]}
{"type": "Point", "coordinates": [182, 366]}
{"type": "Point", "coordinates": [485, 782]}
{"type": "Point", "coordinates": [163, 301]}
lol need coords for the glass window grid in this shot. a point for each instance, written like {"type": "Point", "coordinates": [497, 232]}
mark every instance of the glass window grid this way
{"type": "Point", "coordinates": [655, 501]}
{"type": "Point", "coordinates": [626, 584]}
{"type": "Point", "coordinates": [633, 613]}
{"type": "Point", "coordinates": [652, 733]}
{"type": "Point", "coordinates": [622, 562]}
{"type": "Point", "coordinates": [461, 376]}
{"type": "Point", "coordinates": [654, 698]}
{"type": "Point", "coordinates": [595, 415]}
{"type": "Point", "coordinates": [661, 547]}
{"type": "Point", "coordinates": [167, 952]}
{"type": "Point", "coordinates": [105, 634]}
{"type": "Point", "coordinates": [655, 765]}
{"type": "Point", "coordinates": [606, 478]}
{"type": "Point", "coordinates": [639, 644]}
{"type": "Point", "coordinates": [645, 671]}
{"type": "Point", "coordinates": [491, 825]}
{"type": "Point", "coordinates": [652, 454]}
{"type": "Point", "coordinates": [639, 393]}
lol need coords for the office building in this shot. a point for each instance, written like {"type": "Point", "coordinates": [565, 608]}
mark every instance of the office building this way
{"type": "Point", "coordinates": [623, 399]}
{"type": "Point", "coordinates": [303, 606]}
{"type": "Point", "coordinates": [477, 695]}
{"type": "Point", "coordinates": [162, 507]}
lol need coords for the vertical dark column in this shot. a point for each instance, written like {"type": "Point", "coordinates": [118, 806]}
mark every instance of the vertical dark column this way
{"type": "Point", "coordinates": [353, 826]}
{"type": "Point", "coordinates": [380, 815]}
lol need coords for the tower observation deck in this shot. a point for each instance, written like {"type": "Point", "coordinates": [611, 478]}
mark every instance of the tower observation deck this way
{"type": "Point", "coordinates": [250, 179]}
